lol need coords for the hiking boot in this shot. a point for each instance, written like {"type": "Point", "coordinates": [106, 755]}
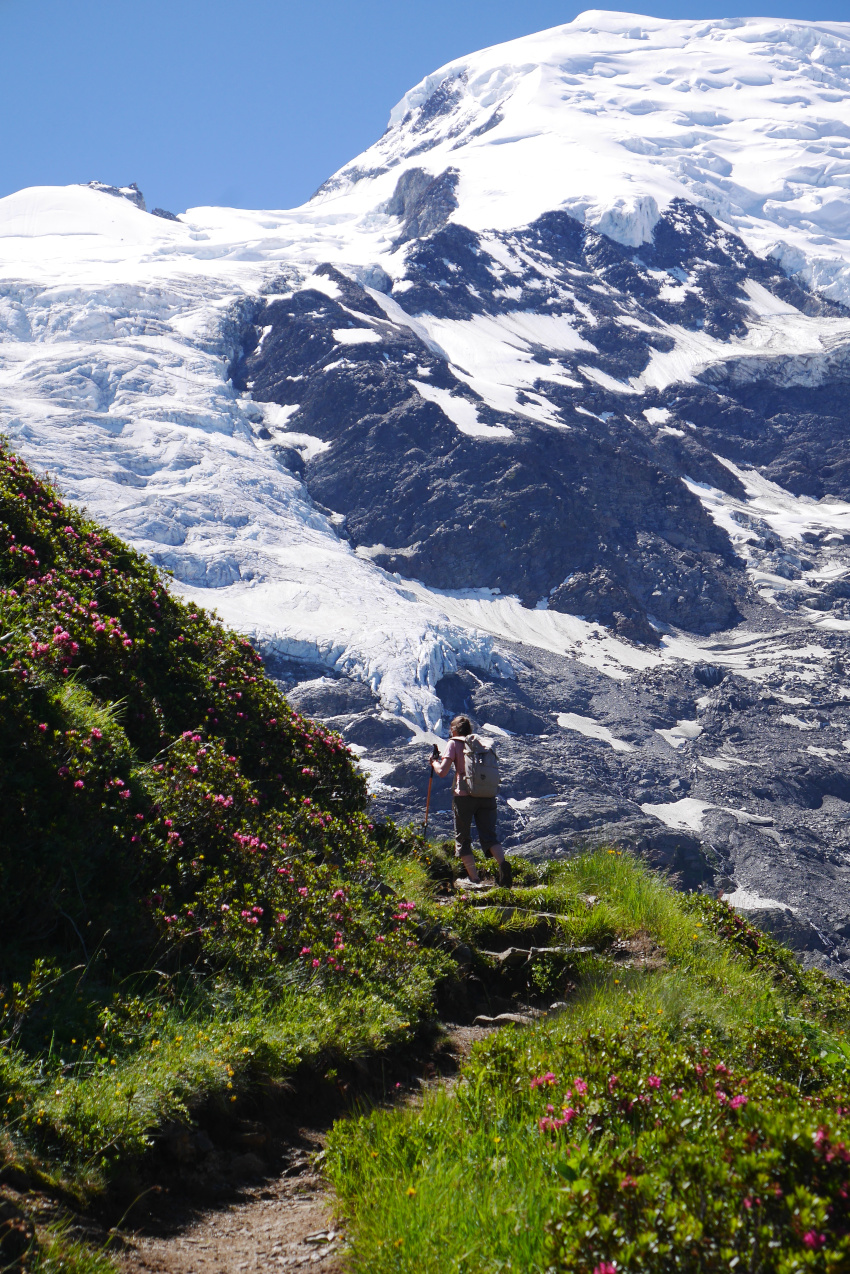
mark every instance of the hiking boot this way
{"type": "Point", "coordinates": [506, 875]}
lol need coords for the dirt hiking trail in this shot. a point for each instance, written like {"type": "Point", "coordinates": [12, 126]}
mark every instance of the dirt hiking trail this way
{"type": "Point", "coordinates": [287, 1221]}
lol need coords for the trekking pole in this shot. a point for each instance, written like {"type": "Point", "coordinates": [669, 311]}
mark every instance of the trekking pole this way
{"type": "Point", "coordinates": [428, 800]}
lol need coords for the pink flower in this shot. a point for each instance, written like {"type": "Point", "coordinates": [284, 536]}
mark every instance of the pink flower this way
{"type": "Point", "coordinates": [813, 1240]}
{"type": "Point", "coordinates": [42, 727]}
{"type": "Point", "coordinates": [540, 1080]}
{"type": "Point", "coordinates": [306, 950]}
{"type": "Point", "coordinates": [613, 1081]}
{"type": "Point", "coordinates": [79, 783]}
{"type": "Point", "coordinates": [740, 1100]}
{"type": "Point", "coordinates": [604, 1267]}
{"type": "Point", "coordinates": [580, 1087]}
{"type": "Point", "coordinates": [303, 891]}
{"type": "Point", "coordinates": [654, 1081]}
{"type": "Point", "coordinates": [224, 907]}
{"type": "Point", "coordinates": [316, 964]}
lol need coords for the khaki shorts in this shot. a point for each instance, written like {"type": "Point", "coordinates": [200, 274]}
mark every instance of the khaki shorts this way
{"type": "Point", "coordinates": [483, 810]}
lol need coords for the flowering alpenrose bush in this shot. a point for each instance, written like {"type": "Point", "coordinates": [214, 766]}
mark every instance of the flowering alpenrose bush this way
{"type": "Point", "coordinates": [158, 796]}
{"type": "Point", "coordinates": [698, 1166]}
{"type": "Point", "coordinates": [632, 1148]}
{"type": "Point", "coordinates": [672, 1159]}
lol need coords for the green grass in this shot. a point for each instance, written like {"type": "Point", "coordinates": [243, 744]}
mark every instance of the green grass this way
{"type": "Point", "coordinates": [57, 1252]}
{"type": "Point", "coordinates": [694, 1117]}
{"type": "Point", "coordinates": [99, 1105]}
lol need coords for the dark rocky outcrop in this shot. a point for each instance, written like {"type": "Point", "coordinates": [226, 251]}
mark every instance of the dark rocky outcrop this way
{"type": "Point", "coordinates": [423, 202]}
{"type": "Point", "coordinates": [731, 773]}
{"type": "Point", "coordinates": [131, 192]}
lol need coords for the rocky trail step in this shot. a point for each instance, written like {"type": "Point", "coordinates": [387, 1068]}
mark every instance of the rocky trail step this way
{"type": "Point", "coordinates": [514, 956]}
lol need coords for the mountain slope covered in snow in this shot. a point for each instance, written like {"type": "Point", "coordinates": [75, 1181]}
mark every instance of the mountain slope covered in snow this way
{"type": "Point", "coordinates": [537, 408]}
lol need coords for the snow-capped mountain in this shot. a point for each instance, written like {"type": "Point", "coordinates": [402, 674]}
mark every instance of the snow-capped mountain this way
{"type": "Point", "coordinates": [538, 407]}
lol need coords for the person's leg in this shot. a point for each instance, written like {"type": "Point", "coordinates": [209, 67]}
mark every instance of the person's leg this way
{"type": "Point", "coordinates": [462, 808]}
{"type": "Point", "coordinates": [468, 861]}
{"type": "Point", "coordinates": [485, 821]}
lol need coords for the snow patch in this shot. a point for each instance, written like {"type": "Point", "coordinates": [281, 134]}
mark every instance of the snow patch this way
{"type": "Point", "coordinates": [592, 729]}
{"type": "Point", "coordinates": [748, 900]}
{"type": "Point", "coordinates": [681, 733]}
{"type": "Point", "coordinates": [461, 412]}
{"type": "Point", "coordinates": [684, 815]}
{"type": "Point", "coordinates": [356, 335]}
{"type": "Point", "coordinates": [688, 814]}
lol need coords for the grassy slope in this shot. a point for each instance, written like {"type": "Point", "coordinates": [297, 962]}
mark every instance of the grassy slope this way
{"type": "Point", "coordinates": [190, 887]}
{"type": "Point", "coordinates": [690, 1112]}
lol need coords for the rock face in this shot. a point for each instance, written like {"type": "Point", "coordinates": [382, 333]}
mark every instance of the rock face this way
{"type": "Point", "coordinates": [732, 775]}
{"type": "Point", "coordinates": [590, 515]}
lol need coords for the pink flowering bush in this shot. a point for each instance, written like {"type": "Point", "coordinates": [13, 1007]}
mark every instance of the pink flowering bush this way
{"type": "Point", "coordinates": [678, 1154]}
{"type": "Point", "coordinates": [159, 799]}
{"type": "Point", "coordinates": [632, 1148]}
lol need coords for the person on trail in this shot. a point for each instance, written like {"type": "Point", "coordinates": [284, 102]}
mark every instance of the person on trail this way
{"type": "Point", "coordinates": [466, 807]}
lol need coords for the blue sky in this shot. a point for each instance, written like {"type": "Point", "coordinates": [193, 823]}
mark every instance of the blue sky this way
{"type": "Point", "coordinates": [252, 104]}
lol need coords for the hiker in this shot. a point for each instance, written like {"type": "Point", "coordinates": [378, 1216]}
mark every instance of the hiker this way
{"type": "Point", "coordinates": [467, 806]}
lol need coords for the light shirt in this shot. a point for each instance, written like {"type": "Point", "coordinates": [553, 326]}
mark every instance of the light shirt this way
{"type": "Point", "coordinates": [453, 755]}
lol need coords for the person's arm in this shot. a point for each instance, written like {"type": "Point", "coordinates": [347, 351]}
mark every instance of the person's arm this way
{"type": "Point", "coordinates": [442, 764]}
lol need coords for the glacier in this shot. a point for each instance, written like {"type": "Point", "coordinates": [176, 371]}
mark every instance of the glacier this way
{"type": "Point", "coordinates": [608, 263]}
